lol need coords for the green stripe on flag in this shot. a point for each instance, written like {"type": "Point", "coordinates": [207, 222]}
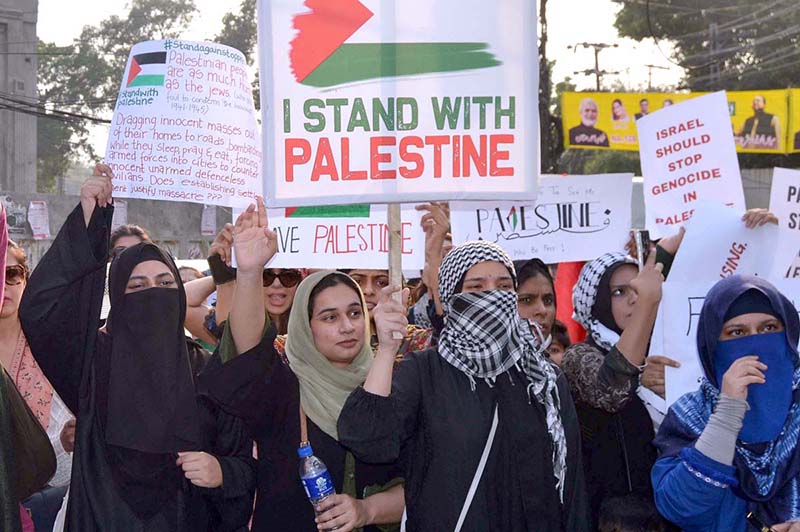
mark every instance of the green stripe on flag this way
{"type": "Point", "coordinates": [359, 62]}
{"type": "Point", "coordinates": [147, 80]}
{"type": "Point", "coordinates": [330, 211]}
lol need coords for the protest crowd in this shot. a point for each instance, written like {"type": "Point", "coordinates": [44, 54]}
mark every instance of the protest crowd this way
{"type": "Point", "coordinates": [481, 414]}
{"type": "Point", "coordinates": [531, 371]}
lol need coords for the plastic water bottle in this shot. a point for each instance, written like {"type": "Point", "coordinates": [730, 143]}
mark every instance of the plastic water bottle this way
{"type": "Point", "coordinates": [315, 478]}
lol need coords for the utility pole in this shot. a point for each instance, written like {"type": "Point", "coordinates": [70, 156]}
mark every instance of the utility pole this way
{"type": "Point", "coordinates": [598, 47]}
{"type": "Point", "coordinates": [714, 57]}
{"type": "Point", "coordinates": [650, 75]}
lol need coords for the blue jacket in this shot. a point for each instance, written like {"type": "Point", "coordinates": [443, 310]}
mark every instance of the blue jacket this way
{"type": "Point", "coordinates": [688, 496]}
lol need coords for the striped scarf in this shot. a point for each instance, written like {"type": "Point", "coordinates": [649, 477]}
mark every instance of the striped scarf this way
{"type": "Point", "coordinates": [484, 337]}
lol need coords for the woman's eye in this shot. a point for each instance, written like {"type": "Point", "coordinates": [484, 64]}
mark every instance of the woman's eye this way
{"type": "Point", "coordinates": [356, 314]}
{"type": "Point", "coordinates": [770, 328]}
{"type": "Point", "coordinates": [168, 283]}
{"type": "Point", "coordinates": [526, 300]}
{"type": "Point", "coordinates": [618, 292]}
{"type": "Point", "coordinates": [548, 300]}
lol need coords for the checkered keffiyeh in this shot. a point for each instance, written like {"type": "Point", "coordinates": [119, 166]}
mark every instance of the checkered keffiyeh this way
{"type": "Point", "coordinates": [585, 294]}
{"type": "Point", "coordinates": [484, 337]}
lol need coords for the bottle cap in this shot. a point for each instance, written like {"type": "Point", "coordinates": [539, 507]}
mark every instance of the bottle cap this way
{"type": "Point", "coordinates": [305, 451]}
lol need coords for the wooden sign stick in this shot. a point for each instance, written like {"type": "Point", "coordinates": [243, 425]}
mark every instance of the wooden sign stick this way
{"type": "Point", "coordinates": [395, 254]}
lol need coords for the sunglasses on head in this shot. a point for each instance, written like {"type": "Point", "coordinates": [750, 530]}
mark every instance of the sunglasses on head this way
{"type": "Point", "coordinates": [15, 274]}
{"type": "Point", "coordinates": [287, 278]}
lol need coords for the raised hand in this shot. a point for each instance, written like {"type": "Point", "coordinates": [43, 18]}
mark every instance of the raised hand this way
{"type": "Point", "coordinates": [390, 317]}
{"type": "Point", "coordinates": [758, 217]}
{"type": "Point", "coordinates": [254, 242]}
{"type": "Point", "coordinates": [648, 283]}
{"type": "Point", "coordinates": [96, 191]}
{"type": "Point", "coordinates": [223, 244]}
{"type": "Point", "coordinates": [653, 374]}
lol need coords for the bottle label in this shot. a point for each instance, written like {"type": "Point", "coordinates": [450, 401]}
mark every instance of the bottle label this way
{"type": "Point", "coordinates": [319, 486]}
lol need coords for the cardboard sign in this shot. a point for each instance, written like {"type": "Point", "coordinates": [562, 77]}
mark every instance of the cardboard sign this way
{"type": "Point", "coordinates": [574, 218]}
{"type": "Point", "coordinates": [784, 202]}
{"type": "Point", "coordinates": [184, 128]}
{"type": "Point", "coordinates": [347, 236]}
{"type": "Point", "coordinates": [688, 155]}
{"type": "Point", "coordinates": [718, 244]}
{"type": "Point", "coordinates": [39, 218]}
{"type": "Point", "coordinates": [373, 101]}
{"type": "Point", "coordinates": [680, 306]}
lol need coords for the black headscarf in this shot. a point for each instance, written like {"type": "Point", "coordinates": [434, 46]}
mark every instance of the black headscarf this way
{"type": "Point", "coordinates": [602, 305]}
{"type": "Point", "coordinates": [151, 396]}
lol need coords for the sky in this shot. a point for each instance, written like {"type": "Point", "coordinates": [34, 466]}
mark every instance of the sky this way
{"type": "Point", "coordinates": [61, 21]}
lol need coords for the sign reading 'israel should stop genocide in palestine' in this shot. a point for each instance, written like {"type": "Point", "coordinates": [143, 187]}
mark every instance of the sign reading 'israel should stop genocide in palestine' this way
{"type": "Point", "coordinates": [376, 101]}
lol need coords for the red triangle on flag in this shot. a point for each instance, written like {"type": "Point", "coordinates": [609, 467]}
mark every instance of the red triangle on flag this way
{"type": "Point", "coordinates": [134, 71]}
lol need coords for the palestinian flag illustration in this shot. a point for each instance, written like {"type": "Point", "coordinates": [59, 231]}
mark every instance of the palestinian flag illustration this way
{"type": "Point", "coordinates": [147, 70]}
{"type": "Point", "coordinates": [329, 211]}
{"type": "Point", "coordinates": [320, 57]}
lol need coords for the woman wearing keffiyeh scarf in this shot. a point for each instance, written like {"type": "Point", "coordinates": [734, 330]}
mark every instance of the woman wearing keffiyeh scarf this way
{"type": "Point", "coordinates": [436, 411]}
{"type": "Point", "coordinates": [731, 447]}
{"type": "Point", "coordinates": [617, 306]}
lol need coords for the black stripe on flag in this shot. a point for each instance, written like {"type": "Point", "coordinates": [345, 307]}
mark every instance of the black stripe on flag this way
{"type": "Point", "coordinates": [152, 58]}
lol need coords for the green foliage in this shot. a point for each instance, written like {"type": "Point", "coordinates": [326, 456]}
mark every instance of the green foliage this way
{"type": "Point", "coordinates": [86, 80]}
{"type": "Point", "coordinates": [757, 44]}
{"type": "Point", "coordinates": [588, 162]}
{"type": "Point", "coordinates": [239, 30]}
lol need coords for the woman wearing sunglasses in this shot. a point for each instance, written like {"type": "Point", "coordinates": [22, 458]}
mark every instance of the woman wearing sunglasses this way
{"type": "Point", "coordinates": [280, 284]}
{"type": "Point", "coordinates": [35, 389]}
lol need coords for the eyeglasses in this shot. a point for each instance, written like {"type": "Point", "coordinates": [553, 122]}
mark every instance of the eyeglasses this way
{"type": "Point", "coordinates": [288, 278]}
{"type": "Point", "coordinates": [16, 274]}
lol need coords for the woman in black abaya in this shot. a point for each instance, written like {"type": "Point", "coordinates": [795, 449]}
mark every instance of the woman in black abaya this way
{"type": "Point", "coordinates": [139, 462]}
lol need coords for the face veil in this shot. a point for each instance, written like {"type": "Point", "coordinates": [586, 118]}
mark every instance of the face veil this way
{"type": "Point", "coordinates": [151, 396]}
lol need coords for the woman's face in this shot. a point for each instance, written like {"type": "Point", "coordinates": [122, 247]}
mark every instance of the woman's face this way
{"type": "Point", "coordinates": [337, 324]}
{"type": "Point", "coordinates": [125, 242]}
{"type": "Point", "coordinates": [537, 302]}
{"type": "Point", "coordinates": [278, 298]}
{"type": "Point", "coordinates": [150, 274]}
{"type": "Point", "coordinates": [623, 297]}
{"type": "Point", "coordinates": [13, 293]}
{"type": "Point", "coordinates": [556, 352]}
{"type": "Point", "coordinates": [488, 275]}
{"type": "Point", "coordinates": [748, 324]}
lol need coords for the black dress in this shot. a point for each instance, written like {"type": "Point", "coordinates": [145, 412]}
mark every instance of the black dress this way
{"type": "Point", "coordinates": [59, 313]}
{"type": "Point", "coordinates": [438, 426]}
{"type": "Point", "coordinates": [260, 387]}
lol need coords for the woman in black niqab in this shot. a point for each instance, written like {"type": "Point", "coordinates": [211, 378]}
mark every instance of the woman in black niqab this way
{"type": "Point", "coordinates": [131, 387]}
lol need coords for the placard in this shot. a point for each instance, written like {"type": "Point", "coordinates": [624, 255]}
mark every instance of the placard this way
{"type": "Point", "coordinates": [346, 236]}
{"type": "Point", "coordinates": [208, 221]}
{"type": "Point", "coordinates": [39, 218]}
{"type": "Point", "coordinates": [120, 217]}
{"type": "Point", "coordinates": [784, 202]}
{"type": "Point", "coordinates": [375, 101]}
{"type": "Point", "coordinates": [574, 218]}
{"type": "Point", "coordinates": [688, 155]}
{"type": "Point", "coordinates": [184, 127]}
{"type": "Point", "coordinates": [718, 244]}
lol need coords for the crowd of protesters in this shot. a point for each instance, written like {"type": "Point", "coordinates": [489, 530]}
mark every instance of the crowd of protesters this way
{"type": "Point", "coordinates": [139, 396]}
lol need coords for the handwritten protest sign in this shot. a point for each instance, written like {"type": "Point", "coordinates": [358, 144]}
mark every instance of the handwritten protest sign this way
{"type": "Point", "coordinates": [574, 218]}
{"type": "Point", "coordinates": [718, 244]}
{"type": "Point", "coordinates": [366, 101]}
{"type": "Point", "coordinates": [346, 236]}
{"type": "Point", "coordinates": [184, 127]}
{"type": "Point", "coordinates": [784, 202]}
{"type": "Point", "coordinates": [680, 306]}
{"type": "Point", "coordinates": [688, 155]}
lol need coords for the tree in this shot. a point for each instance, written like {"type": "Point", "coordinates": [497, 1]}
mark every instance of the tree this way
{"type": "Point", "coordinates": [724, 44]}
{"type": "Point", "coordinates": [239, 30]}
{"type": "Point", "coordinates": [83, 79]}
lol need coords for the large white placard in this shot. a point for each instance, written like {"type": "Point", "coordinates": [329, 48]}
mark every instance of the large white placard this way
{"type": "Point", "coordinates": [184, 127]}
{"type": "Point", "coordinates": [688, 155]}
{"type": "Point", "coordinates": [347, 236]}
{"type": "Point", "coordinates": [574, 218]}
{"type": "Point", "coordinates": [718, 244]}
{"type": "Point", "coordinates": [384, 101]}
{"type": "Point", "coordinates": [784, 202]}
